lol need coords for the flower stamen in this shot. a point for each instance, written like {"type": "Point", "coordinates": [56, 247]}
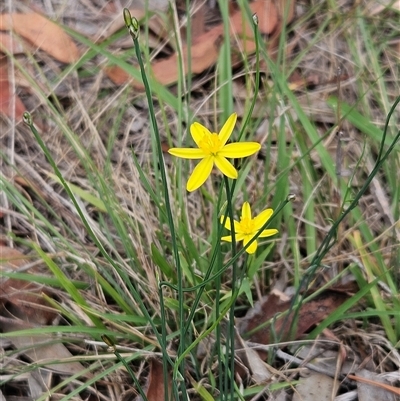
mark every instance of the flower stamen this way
{"type": "Point", "coordinates": [210, 144]}
{"type": "Point", "coordinates": [246, 225]}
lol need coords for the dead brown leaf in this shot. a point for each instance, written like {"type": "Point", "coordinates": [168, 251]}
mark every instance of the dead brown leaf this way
{"type": "Point", "coordinates": [155, 390]}
{"type": "Point", "coordinates": [6, 97]}
{"type": "Point", "coordinates": [310, 314]}
{"type": "Point", "coordinates": [267, 15]}
{"type": "Point", "coordinates": [205, 47]}
{"type": "Point", "coordinates": [22, 299]}
{"type": "Point", "coordinates": [316, 387]}
{"type": "Point", "coordinates": [9, 44]}
{"type": "Point", "coordinates": [117, 74]}
{"type": "Point", "coordinates": [203, 55]}
{"type": "Point", "coordinates": [12, 258]}
{"type": "Point", "coordinates": [198, 19]}
{"type": "Point", "coordinates": [43, 34]}
{"type": "Point", "coordinates": [22, 307]}
{"type": "Point", "coordinates": [258, 369]}
{"type": "Point", "coordinates": [43, 349]}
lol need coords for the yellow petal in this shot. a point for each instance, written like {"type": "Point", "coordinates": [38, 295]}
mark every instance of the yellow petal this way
{"type": "Point", "coordinates": [198, 131]}
{"type": "Point", "coordinates": [227, 129]}
{"type": "Point", "coordinates": [268, 232]}
{"type": "Point", "coordinates": [225, 167]}
{"type": "Point", "coordinates": [187, 153]}
{"type": "Point", "coordinates": [239, 149]}
{"type": "Point", "coordinates": [253, 247]}
{"type": "Point", "coordinates": [228, 225]}
{"type": "Point", "coordinates": [200, 173]}
{"type": "Point", "coordinates": [238, 237]}
{"type": "Point", "coordinates": [246, 211]}
{"type": "Point", "coordinates": [262, 218]}
{"type": "Point", "coordinates": [227, 238]}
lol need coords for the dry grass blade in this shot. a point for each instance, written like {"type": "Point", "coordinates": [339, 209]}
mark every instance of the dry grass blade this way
{"type": "Point", "coordinates": [392, 389]}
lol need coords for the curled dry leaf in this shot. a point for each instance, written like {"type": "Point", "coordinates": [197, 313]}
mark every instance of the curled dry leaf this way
{"type": "Point", "coordinates": [42, 33]}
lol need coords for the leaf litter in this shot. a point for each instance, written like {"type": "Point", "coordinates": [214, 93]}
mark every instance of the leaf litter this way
{"type": "Point", "coordinates": [22, 307]}
{"type": "Point", "coordinates": [20, 298]}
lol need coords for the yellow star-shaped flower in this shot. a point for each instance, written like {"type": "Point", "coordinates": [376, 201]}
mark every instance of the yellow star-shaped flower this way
{"type": "Point", "coordinates": [247, 228]}
{"type": "Point", "coordinates": [212, 149]}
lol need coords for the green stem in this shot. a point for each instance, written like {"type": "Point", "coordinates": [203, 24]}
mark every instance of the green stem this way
{"type": "Point", "coordinates": [133, 28]}
{"type": "Point", "coordinates": [113, 348]}
{"type": "Point", "coordinates": [230, 338]}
